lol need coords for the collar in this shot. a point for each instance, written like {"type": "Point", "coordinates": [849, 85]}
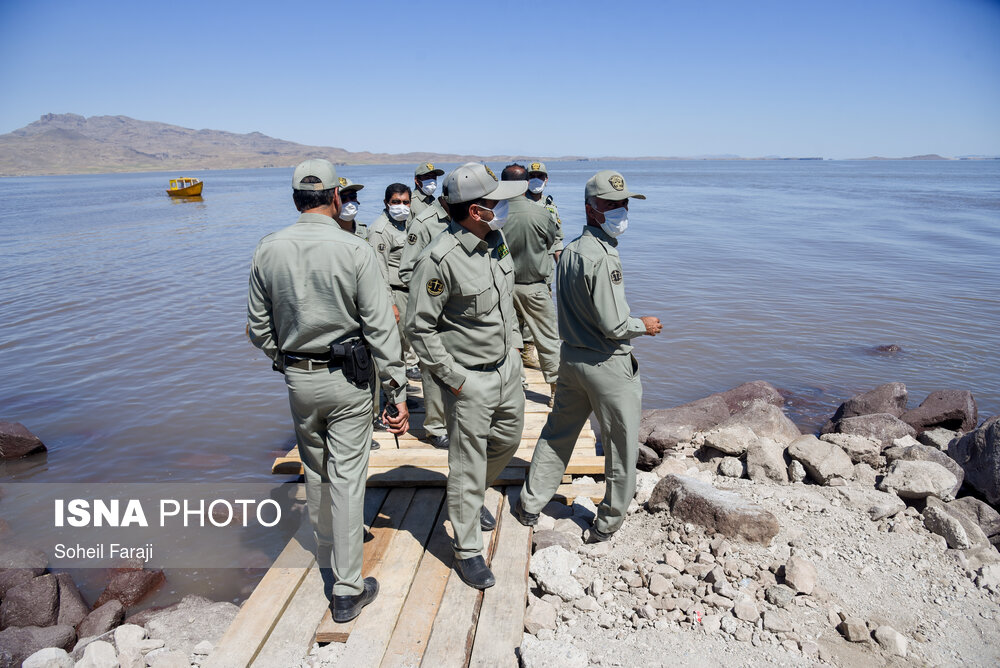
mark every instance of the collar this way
{"type": "Point", "coordinates": [316, 218]}
{"type": "Point", "coordinates": [392, 221]}
{"type": "Point", "coordinates": [600, 234]}
{"type": "Point", "coordinates": [469, 241]}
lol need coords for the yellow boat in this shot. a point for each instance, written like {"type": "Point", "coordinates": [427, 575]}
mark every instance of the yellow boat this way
{"type": "Point", "coordinates": [185, 187]}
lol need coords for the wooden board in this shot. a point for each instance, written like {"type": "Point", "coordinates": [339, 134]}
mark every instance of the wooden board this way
{"type": "Point", "coordinates": [501, 617]}
{"type": "Point", "coordinates": [292, 637]}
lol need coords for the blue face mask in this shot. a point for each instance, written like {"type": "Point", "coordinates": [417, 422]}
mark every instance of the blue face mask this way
{"type": "Point", "coordinates": [615, 222]}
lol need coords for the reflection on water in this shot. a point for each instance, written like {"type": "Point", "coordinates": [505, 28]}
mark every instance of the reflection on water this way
{"type": "Point", "coordinates": [123, 343]}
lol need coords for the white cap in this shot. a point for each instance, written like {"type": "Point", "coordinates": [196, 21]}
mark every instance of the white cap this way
{"type": "Point", "coordinates": [474, 181]}
{"type": "Point", "coordinates": [318, 167]}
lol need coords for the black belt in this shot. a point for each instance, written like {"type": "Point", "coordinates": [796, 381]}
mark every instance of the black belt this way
{"type": "Point", "coordinates": [488, 367]}
{"type": "Point", "coordinates": [309, 361]}
{"type": "Point", "coordinates": [405, 288]}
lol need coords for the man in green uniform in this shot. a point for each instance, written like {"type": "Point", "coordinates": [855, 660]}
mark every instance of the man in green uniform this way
{"type": "Point", "coordinates": [315, 299]}
{"type": "Point", "coordinates": [598, 371]}
{"type": "Point", "coordinates": [347, 218]}
{"type": "Point", "coordinates": [425, 185]}
{"type": "Point", "coordinates": [387, 235]}
{"type": "Point", "coordinates": [538, 178]}
{"type": "Point", "coordinates": [530, 234]}
{"type": "Point", "coordinates": [431, 222]}
{"type": "Point", "coordinates": [462, 325]}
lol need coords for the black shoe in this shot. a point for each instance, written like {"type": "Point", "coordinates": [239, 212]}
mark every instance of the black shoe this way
{"type": "Point", "coordinates": [440, 441]}
{"type": "Point", "coordinates": [413, 373]}
{"type": "Point", "coordinates": [346, 608]}
{"type": "Point", "coordinates": [474, 572]}
{"type": "Point", "coordinates": [594, 535]}
{"type": "Point", "coordinates": [375, 445]}
{"type": "Point", "coordinates": [523, 516]}
{"type": "Point", "coordinates": [412, 404]}
{"type": "Point", "coordinates": [486, 520]}
{"type": "Point", "coordinates": [378, 425]}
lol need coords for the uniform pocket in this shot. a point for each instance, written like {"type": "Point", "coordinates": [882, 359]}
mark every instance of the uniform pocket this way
{"type": "Point", "coordinates": [478, 296]}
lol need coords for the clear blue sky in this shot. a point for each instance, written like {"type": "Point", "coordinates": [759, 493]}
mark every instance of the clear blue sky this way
{"type": "Point", "coordinates": [793, 78]}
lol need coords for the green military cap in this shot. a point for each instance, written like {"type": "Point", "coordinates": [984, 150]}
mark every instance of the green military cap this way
{"type": "Point", "coordinates": [609, 184]}
{"type": "Point", "coordinates": [474, 181]}
{"type": "Point", "coordinates": [538, 167]}
{"type": "Point", "coordinates": [346, 184]}
{"type": "Point", "coordinates": [428, 169]}
{"type": "Point", "coordinates": [318, 167]}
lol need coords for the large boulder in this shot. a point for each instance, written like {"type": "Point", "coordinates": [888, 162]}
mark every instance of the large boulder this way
{"type": "Point", "coordinates": [22, 642]}
{"type": "Point", "coordinates": [981, 513]}
{"type": "Point", "coordinates": [191, 621]}
{"type": "Point", "coordinates": [663, 429]}
{"type": "Point", "coordinates": [72, 609]}
{"type": "Point", "coordinates": [732, 440]}
{"type": "Point", "coordinates": [28, 558]}
{"type": "Point", "coordinates": [553, 570]}
{"type": "Point", "coordinates": [926, 453]}
{"type": "Point", "coordinates": [958, 529]}
{"type": "Point", "coordinates": [647, 459]}
{"type": "Point", "coordinates": [130, 585]}
{"type": "Point", "coordinates": [918, 480]}
{"type": "Point", "coordinates": [978, 453]}
{"type": "Point", "coordinates": [823, 461]}
{"type": "Point", "coordinates": [34, 603]}
{"type": "Point", "coordinates": [756, 391]}
{"type": "Point", "coordinates": [12, 577]}
{"type": "Point", "coordinates": [727, 513]}
{"type": "Point", "coordinates": [938, 437]}
{"type": "Point", "coordinates": [889, 398]}
{"type": "Point", "coordinates": [860, 449]}
{"type": "Point", "coordinates": [764, 420]}
{"type": "Point", "coordinates": [766, 461]}
{"type": "Point", "coordinates": [951, 409]}
{"type": "Point", "coordinates": [881, 427]}
{"type": "Point", "coordinates": [16, 441]}
{"type": "Point", "coordinates": [102, 619]}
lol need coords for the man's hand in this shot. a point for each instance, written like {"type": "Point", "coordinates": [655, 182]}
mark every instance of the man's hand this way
{"type": "Point", "coordinates": [652, 323]}
{"type": "Point", "coordinates": [400, 423]}
{"type": "Point", "coordinates": [395, 312]}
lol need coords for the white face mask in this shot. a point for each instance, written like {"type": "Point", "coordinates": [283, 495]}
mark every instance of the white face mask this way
{"type": "Point", "coordinates": [536, 185]}
{"type": "Point", "coordinates": [429, 186]}
{"type": "Point", "coordinates": [499, 215]}
{"type": "Point", "coordinates": [615, 222]}
{"type": "Point", "coordinates": [349, 211]}
{"type": "Point", "coordinates": [399, 212]}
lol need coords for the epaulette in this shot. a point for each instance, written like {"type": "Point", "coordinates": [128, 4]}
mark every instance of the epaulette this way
{"type": "Point", "coordinates": [378, 225]}
{"type": "Point", "coordinates": [441, 246]}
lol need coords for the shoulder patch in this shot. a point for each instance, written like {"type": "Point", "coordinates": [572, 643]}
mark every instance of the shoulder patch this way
{"type": "Point", "coordinates": [381, 248]}
{"type": "Point", "coordinates": [411, 238]}
{"type": "Point", "coordinates": [616, 277]}
{"type": "Point", "coordinates": [503, 251]}
{"type": "Point", "coordinates": [435, 287]}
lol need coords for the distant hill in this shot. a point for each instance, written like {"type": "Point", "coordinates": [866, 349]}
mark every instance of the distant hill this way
{"type": "Point", "coordinates": [929, 156]}
{"type": "Point", "coordinates": [72, 144]}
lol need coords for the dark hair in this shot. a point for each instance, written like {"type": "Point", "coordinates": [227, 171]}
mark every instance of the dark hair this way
{"type": "Point", "coordinates": [396, 189]}
{"type": "Point", "coordinates": [514, 172]}
{"type": "Point", "coordinates": [459, 211]}
{"type": "Point", "coordinates": [311, 199]}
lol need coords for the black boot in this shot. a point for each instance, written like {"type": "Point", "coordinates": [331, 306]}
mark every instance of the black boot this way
{"type": "Point", "coordinates": [346, 608]}
{"type": "Point", "coordinates": [522, 515]}
{"type": "Point", "coordinates": [486, 520]}
{"type": "Point", "coordinates": [474, 572]}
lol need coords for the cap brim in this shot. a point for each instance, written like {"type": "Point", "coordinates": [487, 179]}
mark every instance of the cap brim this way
{"type": "Point", "coordinates": [353, 186]}
{"type": "Point", "coordinates": [617, 196]}
{"type": "Point", "coordinates": [433, 172]}
{"type": "Point", "coordinates": [507, 189]}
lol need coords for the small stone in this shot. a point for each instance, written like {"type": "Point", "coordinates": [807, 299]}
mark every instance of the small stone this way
{"type": "Point", "coordinates": [587, 604]}
{"type": "Point", "coordinates": [779, 595]}
{"type": "Point", "coordinates": [99, 654]}
{"type": "Point", "coordinates": [204, 647]}
{"type": "Point", "coordinates": [854, 629]}
{"type": "Point", "coordinates": [800, 574]}
{"type": "Point", "coordinates": [891, 640]}
{"type": "Point", "coordinates": [50, 657]}
{"type": "Point", "coordinates": [746, 610]}
{"type": "Point", "coordinates": [731, 467]}
{"type": "Point", "coordinates": [796, 472]}
{"type": "Point", "coordinates": [671, 558]}
{"type": "Point", "coordinates": [777, 621]}
{"type": "Point", "coordinates": [659, 585]}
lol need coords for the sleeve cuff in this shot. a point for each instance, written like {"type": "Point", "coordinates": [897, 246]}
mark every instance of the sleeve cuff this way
{"type": "Point", "coordinates": [453, 379]}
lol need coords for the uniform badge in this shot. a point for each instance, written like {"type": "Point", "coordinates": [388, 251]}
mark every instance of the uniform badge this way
{"type": "Point", "coordinates": [617, 182]}
{"type": "Point", "coordinates": [381, 248]}
{"type": "Point", "coordinates": [343, 182]}
{"type": "Point", "coordinates": [435, 287]}
{"type": "Point", "coordinates": [616, 277]}
{"type": "Point", "coordinates": [536, 166]}
{"type": "Point", "coordinates": [503, 251]}
{"type": "Point", "coordinates": [411, 239]}
{"type": "Point", "coordinates": [490, 172]}
{"type": "Point", "coordinates": [429, 166]}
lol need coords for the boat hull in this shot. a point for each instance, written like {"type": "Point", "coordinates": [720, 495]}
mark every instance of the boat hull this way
{"type": "Point", "coordinates": [190, 191]}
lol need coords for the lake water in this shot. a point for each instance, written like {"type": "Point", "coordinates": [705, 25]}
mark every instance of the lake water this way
{"type": "Point", "coordinates": [123, 310]}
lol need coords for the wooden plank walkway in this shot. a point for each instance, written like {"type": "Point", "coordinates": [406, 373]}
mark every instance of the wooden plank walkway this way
{"type": "Point", "coordinates": [424, 614]}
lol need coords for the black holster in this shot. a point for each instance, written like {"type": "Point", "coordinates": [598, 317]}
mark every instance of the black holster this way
{"type": "Point", "coordinates": [354, 358]}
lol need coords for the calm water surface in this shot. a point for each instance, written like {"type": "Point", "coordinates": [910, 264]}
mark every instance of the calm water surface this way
{"type": "Point", "coordinates": [123, 310]}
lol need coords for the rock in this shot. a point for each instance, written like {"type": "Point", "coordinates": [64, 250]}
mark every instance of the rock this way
{"type": "Point", "coordinates": [779, 595]}
{"type": "Point", "coordinates": [129, 637]}
{"type": "Point", "coordinates": [951, 409]}
{"type": "Point", "coordinates": [551, 654]}
{"type": "Point", "coordinates": [673, 559]}
{"type": "Point", "coordinates": [800, 574]}
{"type": "Point", "coordinates": [659, 585]}
{"type": "Point", "coordinates": [731, 440]}
{"type": "Point", "coordinates": [988, 575]}
{"type": "Point", "coordinates": [130, 585]}
{"type": "Point", "coordinates": [553, 570]}
{"type": "Point", "coordinates": [889, 398]}
{"type": "Point", "coordinates": [969, 529]}
{"type": "Point", "coordinates": [889, 505]}
{"type": "Point", "coordinates": [854, 629]}
{"type": "Point", "coordinates": [72, 609]}
{"type": "Point", "coordinates": [34, 603]}
{"type": "Point", "coordinates": [99, 654]}
{"type": "Point", "coordinates": [860, 449]}
{"type": "Point", "coordinates": [865, 475]}
{"type": "Point", "coordinates": [746, 610]}
{"type": "Point", "coordinates": [731, 467]}
{"type": "Point", "coordinates": [727, 513]}
{"type": "Point", "coordinates": [675, 466]}
{"type": "Point", "coordinates": [881, 427]}
{"type": "Point", "coordinates": [756, 391]}
{"type": "Point", "coordinates": [585, 509]}
{"type": "Point", "coordinates": [543, 539]}
{"type": "Point", "coordinates": [925, 453]}
{"type": "Point", "coordinates": [888, 349]}
{"type": "Point", "coordinates": [711, 623]}
{"type": "Point", "coordinates": [777, 621]}
{"type": "Point", "coordinates": [204, 648]}
{"type": "Point", "coordinates": [891, 640]}
{"type": "Point", "coordinates": [765, 421]}
{"type": "Point", "coordinates": [648, 459]}
{"type": "Point", "coordinates": [918, 480]}
{"type": "Point", "coordinates": [102, 619]}
{"type": "Point", "coordinates": [539, 615]}
{"type": "Point", "coordinates": [172, 658]}
{"type": "Point", "coordinates": [663, 429]}
{"type": "Point", "coordinates": [22, 642]}
{"type": "Point", "coordinates": [192, 620]}
{"type": "Point", "coordinates": [938, 437]}
{"type": "Point", "coordinates": [13, 577]}
{"type": "Point", "coordinates": [50, 657]}
{"type": "Point", "coordinates": [823, 461]}
{"type": "Point", "coordinates": [978, 453]}
{"type": "Point", "coordinates": [766, 461]}
{"type": "Point", "coordinates": [644, 484]}
{"type": "Point", "coordinates": [16, 441]}
{"type": "Point", "coordinates": [796, 472]}
{"type": "Point", "coordinates": [24, 558]}
{"type": "Point", "coordinates": [981, 513]}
